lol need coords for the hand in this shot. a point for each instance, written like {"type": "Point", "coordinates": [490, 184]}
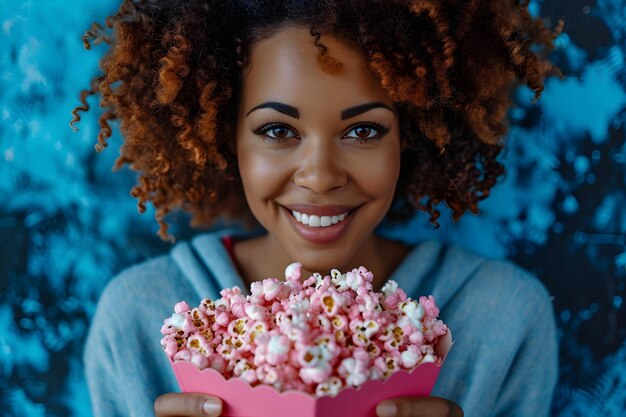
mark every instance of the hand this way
{"type": "Point", "coordinates": [187, 405]}
{"type": "Point", "coordinates": [418, 407]}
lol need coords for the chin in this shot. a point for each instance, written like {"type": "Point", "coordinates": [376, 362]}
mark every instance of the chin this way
{"type": "Point", "coordinates": [323, 266]}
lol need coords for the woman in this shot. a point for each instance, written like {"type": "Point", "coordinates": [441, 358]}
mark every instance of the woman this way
{"type": "Point", "coordinates": [320, 119]}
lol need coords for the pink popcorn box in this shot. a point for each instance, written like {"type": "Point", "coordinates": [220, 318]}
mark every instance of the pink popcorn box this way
{"type": "Point", "coordinates": [242, 400]}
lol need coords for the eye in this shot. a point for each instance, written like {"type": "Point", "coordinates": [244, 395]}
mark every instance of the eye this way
{"type": "Point", "coordinates": [275, 133]}
{"type": "Point", "coordinates": [366, 132]}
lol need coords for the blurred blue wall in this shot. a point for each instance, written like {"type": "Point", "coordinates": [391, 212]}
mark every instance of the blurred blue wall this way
{"type": "Point", "coordinates": [67, 224]}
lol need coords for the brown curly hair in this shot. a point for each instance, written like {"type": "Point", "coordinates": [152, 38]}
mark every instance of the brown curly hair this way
{"type": "Point", "coordinates": [173, 72]}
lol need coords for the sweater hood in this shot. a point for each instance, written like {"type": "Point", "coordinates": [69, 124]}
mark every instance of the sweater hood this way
{"type": "Point", "coordinates": [430, 268]}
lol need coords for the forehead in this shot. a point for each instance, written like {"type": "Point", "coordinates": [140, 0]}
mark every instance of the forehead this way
{"type": "Point", "coordinates": [284, 68]}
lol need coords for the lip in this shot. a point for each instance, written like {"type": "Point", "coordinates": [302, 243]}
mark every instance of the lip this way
{"type": "Point", "coordinates": [322, 235]}
{"type": "Point", "coordinates": [329, 210]}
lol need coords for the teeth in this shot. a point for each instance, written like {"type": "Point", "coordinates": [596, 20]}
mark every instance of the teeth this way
{"type": "Point", "coordinates": [318, 221]}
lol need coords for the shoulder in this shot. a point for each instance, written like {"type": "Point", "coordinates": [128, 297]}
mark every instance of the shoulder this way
{"type": "Point", "coordinates": [501, 293]}
{"type": "Point", "coordinates": [142, 279]}
{"type": "Point", "coordinates": [500, 276]}
{"type": "Point", "coordinates": [451, 268]}
{"type": "Point", "coordinates": [147, 289]}
{"type": "Point", "coordinates": [512, 283]}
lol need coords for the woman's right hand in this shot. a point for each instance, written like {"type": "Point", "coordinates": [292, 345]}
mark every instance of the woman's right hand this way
{"type": "Point", "coordinates": [187, 405]}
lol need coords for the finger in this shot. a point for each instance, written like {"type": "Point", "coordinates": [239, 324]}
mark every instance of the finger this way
{"type": "Point", "coordinates": [192, 405]}
{"type": "Point", "coordinates": [418, 407]}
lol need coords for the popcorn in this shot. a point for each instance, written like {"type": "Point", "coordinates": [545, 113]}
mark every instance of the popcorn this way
{"type": "Point", "coordinates": [317, 335]}
{"type": "Point", "coordinates": [330, 387]}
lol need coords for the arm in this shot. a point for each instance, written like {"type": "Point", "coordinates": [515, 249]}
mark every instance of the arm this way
{"type": "Point", "coordinates": [125, 367]}
{"type": "Point", "coordinates": [531, 380]}
{"type": "Point", "coordinates": [512, 372]}
{"type": "Point", "coordinates": [100, 372]}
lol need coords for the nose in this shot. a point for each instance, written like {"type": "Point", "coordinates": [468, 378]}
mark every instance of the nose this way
{"type": "Point", "coordinates": [320, 168]}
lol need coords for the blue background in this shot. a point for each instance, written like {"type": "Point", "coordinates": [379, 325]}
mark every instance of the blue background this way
{"type": "Point", "coordinates": [67, 224]}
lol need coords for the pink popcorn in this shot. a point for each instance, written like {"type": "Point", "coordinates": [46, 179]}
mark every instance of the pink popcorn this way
{"type": "Point", "coordinates": [331, 303]}
{"type": "Point", "coordinates": [410, 357]}
{"type": "Point", "coordinates": [324, 323]}
{"type": "Point", "coordinates": [367, 275]}
{"type": "Point", "coordinates": [228, 293]}
{"type": "Point", "coordinates": [182, 355]}
{"type": "Point", "coordinates": [227, 350]}
{"type": "Point", "coordinates": [170, 345]}
{"type": "Point", "coordinates": [413, 310]}
{"type": "Point", "coordinates": [318, 335]}
{"type": "Point", "coordinates": [328, 348]}
{"type": "Point", "coordinates": [354, 280]}
{"type": "Point", "coordinates": [255, 312]}
{"type": "Point", "coordinates": [177, 320]}
{"type": "Point", "coordinates": [181, 307]}
{"type": "Point", "coordinates": [393, 295]}
{"type": "Point", "coordinates": [391, 345]}
{"type": "Point", "coordinates": [429, 306]}
{"type": "Point", "coordinates": [277, 349]}
{"type": "Point", "coordinates": [320, 283]}
{"type": "Point", "coordinates": [339, 280]}
{"type": "Point", "coordinates": [417, 337]}
{"type": "Point", "coordinates": [368, 306]}
{"type": "Point", "coordinates": [268, 374]}
{"type": "Point", "coordinates": [271, 288]}
{"type": "Point", "coordinates": [315, 374]}
{"type": "Point", "coordinates": [292, 275]}
{"type": "Point", "coordinates": [272, 349]}
{"type": "Point", "coordinates": [168, 328]}
{"type": "Point", "coordinates": [207, 306]}
{"type": "Point", "coordinates": [388, 363]}
{"type": "Point", "coordinates": [217, 362]}
{"type": "Point", "coordinates": [254, 330]}
{"type": "Point", "coordinates": [329, 388]}
{"type": "Point", "coordinates": [434, 328]}
{"type": "Point", "coordinates": [239, 327]}
{"type": "Point", "coordinates": [199, 343]}
{"type": "Point", "coordinates": [354, 371]}
{"type": "Point", "coordinates": [256, 289]}
{"type": "Point", "coordinates": [245, 371]}
{"type": "Point", "coordinates": [386, 332]}
{"type": "Point", "coordinates": [199, 318]}
{"type": "Point", "coordinates": [222, 319]}
{"type": "Point", "coordinates": [199, 360]}
{"type": "Point", "coordinates": [238, 309]}
{"type": "Point", "coordinates": [339, 322]}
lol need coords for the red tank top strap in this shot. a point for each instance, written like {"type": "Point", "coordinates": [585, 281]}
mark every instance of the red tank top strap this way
{"type": "Point", "coordinates": [228, 244]}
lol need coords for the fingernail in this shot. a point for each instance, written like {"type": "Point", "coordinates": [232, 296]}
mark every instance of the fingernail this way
{"type": "Point", "coordinates": [386, 410]}
{"type": "Point", "coordinates": [212, 407]}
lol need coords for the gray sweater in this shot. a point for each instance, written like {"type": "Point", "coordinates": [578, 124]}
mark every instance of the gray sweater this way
{"type": "Point", "coordinates": [503, 362]}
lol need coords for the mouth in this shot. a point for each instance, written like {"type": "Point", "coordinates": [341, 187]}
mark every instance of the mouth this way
{"type": "Point", "coordinates": [321, 229]}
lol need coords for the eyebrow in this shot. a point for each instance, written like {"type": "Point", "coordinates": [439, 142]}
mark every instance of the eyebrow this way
{"type": "Point", "coordinates": [279, 107]}
{"type": "Point", "coordinates": [345, 114]}
{"type": "Point", "coordinates": [362, 108]}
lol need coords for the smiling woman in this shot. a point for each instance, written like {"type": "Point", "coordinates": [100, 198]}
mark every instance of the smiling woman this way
{"type": "Point", "coordinates": [319, 119]}
{"type": "Point", "coordinates": [319, 145]}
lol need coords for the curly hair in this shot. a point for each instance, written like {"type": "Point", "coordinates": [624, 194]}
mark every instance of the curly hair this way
{"type": "Point", "coordinates": [172, 77]}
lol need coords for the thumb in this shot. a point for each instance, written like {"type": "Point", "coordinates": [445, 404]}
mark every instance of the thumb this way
{"type": "Point", "coordinates": [418, 407]}
{"type": "Point", "coordinates": [187, 404]}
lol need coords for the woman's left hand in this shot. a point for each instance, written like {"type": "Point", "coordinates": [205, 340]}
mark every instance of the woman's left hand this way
{"type": "Point", "coordinates": [418, 407]}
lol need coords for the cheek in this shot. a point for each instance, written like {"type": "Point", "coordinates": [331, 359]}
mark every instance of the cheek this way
{"type": "Point", "coordinates": [378, 174]}
{"type": "Point", "coordinates": [262, 176]}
